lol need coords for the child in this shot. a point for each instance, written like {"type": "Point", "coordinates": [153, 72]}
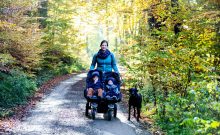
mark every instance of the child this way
{"type": "Point", "coordinates": [112, 89]}
{"type": "Point", "coordinates": [95, 85]}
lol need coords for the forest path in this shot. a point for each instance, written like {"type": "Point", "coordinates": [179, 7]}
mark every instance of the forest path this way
{"type": "Point", "coordinates": [63, 112]}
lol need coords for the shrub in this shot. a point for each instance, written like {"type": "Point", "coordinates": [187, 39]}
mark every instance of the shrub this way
{"type": "Point", "coordinates": [15, 88]}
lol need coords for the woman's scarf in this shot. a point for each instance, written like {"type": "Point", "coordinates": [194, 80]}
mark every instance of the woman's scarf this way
{"type": "Point", "coordinates": [103, 54]}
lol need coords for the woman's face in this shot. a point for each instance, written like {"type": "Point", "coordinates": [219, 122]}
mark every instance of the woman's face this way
{"type": "Point", "coordinates": [104, 46]}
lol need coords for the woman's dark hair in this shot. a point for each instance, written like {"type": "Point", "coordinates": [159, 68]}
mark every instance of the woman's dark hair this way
{"type": "Point", "coordinates": [104, 41]}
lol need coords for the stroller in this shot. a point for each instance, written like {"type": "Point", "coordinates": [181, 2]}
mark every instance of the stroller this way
{"type": "Point", "coordinates": [105, 105]}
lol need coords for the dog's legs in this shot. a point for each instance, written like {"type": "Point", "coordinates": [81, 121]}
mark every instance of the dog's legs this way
{"type": "Point", "coordinates": [138, 113]}
{"type": "Point", "coordinates": [129, 111]}
{"type": "Point", "coordinates": [134, 112]}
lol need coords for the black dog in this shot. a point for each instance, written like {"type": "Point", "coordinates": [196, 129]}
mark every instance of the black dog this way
{"type": "Point", "coordinates": [135, 100]}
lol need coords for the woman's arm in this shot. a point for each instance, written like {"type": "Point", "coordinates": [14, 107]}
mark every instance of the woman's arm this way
{"type": "Point", "coordinates": [114, 63]}
{"type": "Point", "coordinates": [93, 62]}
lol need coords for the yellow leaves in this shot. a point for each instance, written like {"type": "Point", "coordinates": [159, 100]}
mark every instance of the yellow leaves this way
{"type": "Point", "coordinates": [198, 68]}
{"type": "Point", "coordinates": [215, 124]}
{"type": "Point", "coordinates": [211, 14]}
{"type": "Point", "coordinates": [212, 86]}
{"type": "Point", "coordinates": [6, 25]}
{"type": "Point", "coordinates": [171, 52]}
{"type": "Point", "coordinates": [20, 35]}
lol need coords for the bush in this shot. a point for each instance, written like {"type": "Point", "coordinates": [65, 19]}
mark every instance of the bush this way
{"type": "Point", "coordinates": [15, 88]}
{"type": "Point", "coordinates": [189, 115]}
{"type": "Point", "coordinates": [44, 76]}
{"type": "Point", "coordinates": [49, 71]}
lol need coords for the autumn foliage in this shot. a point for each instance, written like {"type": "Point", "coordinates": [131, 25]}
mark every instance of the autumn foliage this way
{"type": "Point", "coordinates": [169, 48]}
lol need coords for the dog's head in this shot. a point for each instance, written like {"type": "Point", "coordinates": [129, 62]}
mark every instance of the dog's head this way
{"type": "Point", "coordinates": [133, 91]}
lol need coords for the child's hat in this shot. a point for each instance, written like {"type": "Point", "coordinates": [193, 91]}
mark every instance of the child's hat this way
{"type": "Point", "coordinates": [96, 73]}
{"type": "Point", "coordinates": [112, 79]}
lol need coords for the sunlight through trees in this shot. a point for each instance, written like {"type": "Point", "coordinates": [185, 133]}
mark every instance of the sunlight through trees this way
{"type": "Point", "coordinates": [169, 48]}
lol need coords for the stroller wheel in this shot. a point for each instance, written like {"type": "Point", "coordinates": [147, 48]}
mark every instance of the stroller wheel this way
{"type": "Point", "coordinates": [93, 114]}
{"type": "Point", "coordinates": [87, 109]}
{"type": "Point", "coordinates": [109, 115]}
{"type": "Point", "coordinates": [115, 110]}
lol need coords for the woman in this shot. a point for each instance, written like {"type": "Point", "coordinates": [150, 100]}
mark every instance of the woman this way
{"type": "Point", "coordinates": [105, 59]}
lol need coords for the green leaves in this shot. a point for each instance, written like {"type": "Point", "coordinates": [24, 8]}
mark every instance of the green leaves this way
{"type": "Point", "coordinates": [31, 55]}
{"type": "Point", "coordinates": [177, 71]}
{"type": "Point", "coordinates": [15, 89]}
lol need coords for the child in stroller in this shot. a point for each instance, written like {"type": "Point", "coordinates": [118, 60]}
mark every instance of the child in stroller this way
{"type": "Point", "coordinates": [112, 89]}
{"type": "Point", "coordinates": [95, 86]}
{"type": "Point", "coordinates": [102, 105]}
{"type": "Point", "coordinates": [112, 86]}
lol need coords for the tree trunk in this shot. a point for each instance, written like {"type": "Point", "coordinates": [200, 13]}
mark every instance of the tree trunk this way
{"type": "Point", "coordinates": [165, 94]}
{"type": "Point", "coordinates": [42, 11]}
{"type": "Point", "coordinates": [154, 95]}
{"type": "Point", "coordinates": [177, 25]}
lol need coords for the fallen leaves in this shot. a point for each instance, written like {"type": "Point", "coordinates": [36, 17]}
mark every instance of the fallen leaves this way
{"type": "Point", "coordinates": [20, 111]}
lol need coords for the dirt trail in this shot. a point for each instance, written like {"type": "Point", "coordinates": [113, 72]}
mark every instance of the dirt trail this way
{"type": "Point", "coordinates": [62, 112]}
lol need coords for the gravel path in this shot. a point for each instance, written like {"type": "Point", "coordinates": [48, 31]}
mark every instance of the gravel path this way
{"type": "Point", "coordinates": [62, 112]}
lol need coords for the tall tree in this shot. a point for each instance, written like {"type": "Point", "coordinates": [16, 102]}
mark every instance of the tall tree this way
{"type": "Point", "coordinates": [19, 38]}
